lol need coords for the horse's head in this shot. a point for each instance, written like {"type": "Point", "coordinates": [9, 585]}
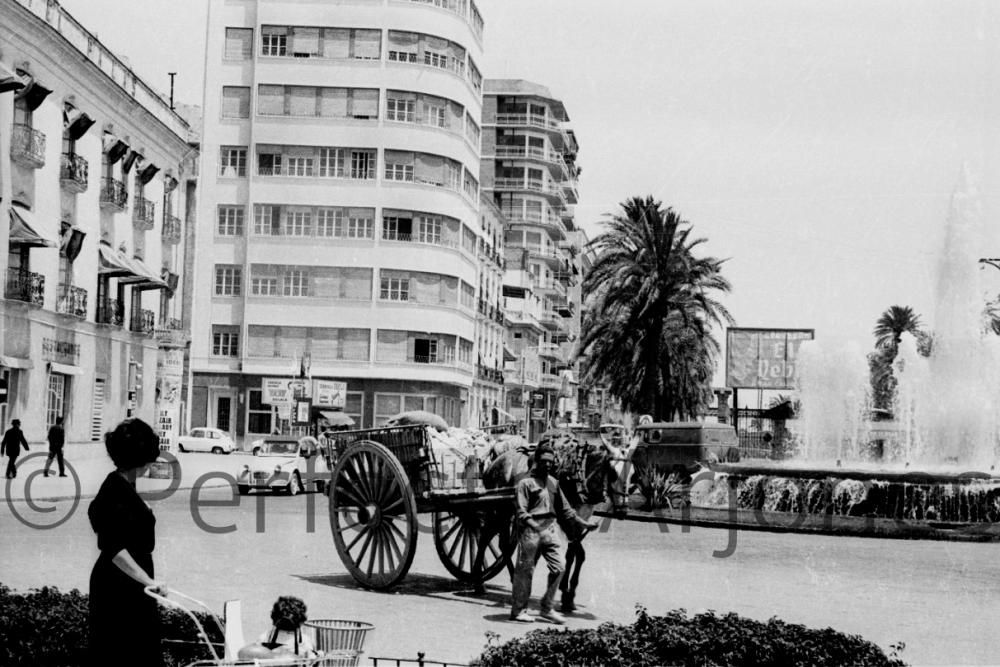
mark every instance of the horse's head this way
{"type": "Point", "coordinates": [583, 469]}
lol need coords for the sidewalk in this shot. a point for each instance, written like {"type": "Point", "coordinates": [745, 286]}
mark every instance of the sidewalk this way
{"type": "Point", "coordinates": [87, 464]}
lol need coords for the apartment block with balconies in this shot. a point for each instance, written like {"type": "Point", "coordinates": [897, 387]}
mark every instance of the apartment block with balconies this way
{"type": "Point", "coordinates": [89, 181]}
{"type": "Point", "coordinates": [529, 170]}
{"type": "Point", "coordinates": [341, 154]}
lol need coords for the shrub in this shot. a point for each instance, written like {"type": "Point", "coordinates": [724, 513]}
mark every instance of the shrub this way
{"type": "Point", "coordinates": [702, 640]}
{"type": "Point", "coordinates": [47, 628]}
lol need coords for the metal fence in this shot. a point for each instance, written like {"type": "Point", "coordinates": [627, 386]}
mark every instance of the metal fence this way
{"type": "Point", "coordinates": [761, 437]}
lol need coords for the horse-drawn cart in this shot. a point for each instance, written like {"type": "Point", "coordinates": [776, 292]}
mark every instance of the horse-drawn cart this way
{"type": "Point", "coordinates": [384, 478]}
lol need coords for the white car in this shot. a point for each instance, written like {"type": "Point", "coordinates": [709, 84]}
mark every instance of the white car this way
{"type": "Point", "coordinates": [285, 463]}
{"type": "Point", "coordinates": [206, 440]}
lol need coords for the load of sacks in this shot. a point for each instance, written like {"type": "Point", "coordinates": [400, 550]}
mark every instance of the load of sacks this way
{"type": "Point", "coordinates": [463, 453]}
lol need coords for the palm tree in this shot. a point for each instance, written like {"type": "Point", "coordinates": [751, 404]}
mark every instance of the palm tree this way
{"type": "Point", "coordinates": [651, 308]}
{"type": "Point", "coordinates": [891, 325]}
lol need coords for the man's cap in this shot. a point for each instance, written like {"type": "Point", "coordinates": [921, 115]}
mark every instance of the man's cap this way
{"type": "Point", "coordinates": [544, 450]}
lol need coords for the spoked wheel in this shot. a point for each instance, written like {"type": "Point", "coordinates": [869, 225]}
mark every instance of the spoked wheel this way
{"type": "Point", "coordinates": [463, 535]}
{"type": "Point", "coordinates": [373, 515]}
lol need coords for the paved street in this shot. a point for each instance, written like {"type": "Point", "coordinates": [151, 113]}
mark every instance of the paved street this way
{"type": "Point", "coordinates": [937, 597]}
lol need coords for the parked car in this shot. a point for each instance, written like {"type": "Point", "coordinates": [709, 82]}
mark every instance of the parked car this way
{"type": "Point", "coordinates": [284, 463]}
{"type": "Point", "coordinates": [206, 440]}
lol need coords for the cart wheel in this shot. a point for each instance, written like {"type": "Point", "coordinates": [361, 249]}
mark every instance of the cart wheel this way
{"type": "Point", "coordinates": [294, 484]}
{"type": "Point", "coordinates": [373, 515]}
{"type": "Point", "coordinates": [460, 534]}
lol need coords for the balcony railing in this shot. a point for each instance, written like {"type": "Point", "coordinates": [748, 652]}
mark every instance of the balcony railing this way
{"type": "Point", "coordinates": [531, 185]}
{"type": "Point", "coordinates": [27, 146]}
{"type": "Point", "coordinates": [114, 195]}
{"type": "Point", "coordinates": [143, 321]}
{"type": "Point", "coordinates": [529, 120]}
{"type": "Point", "coordinates": [484, 372]}
{"type": "Point", "coordinates": [111, 311]}
{"type": "Point", "coordinates": [25, 286]}
{"type": "Point", "coordinates": [72, 301]}
{"type": "Point", "coordinates": [171, 229]}
{"type": "Point", "coordinates": [73, 173]}
{"type": "Point", "coordinates": [143, 212]}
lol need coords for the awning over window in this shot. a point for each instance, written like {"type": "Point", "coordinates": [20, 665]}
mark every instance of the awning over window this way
{"type": "Point", "coordinates": [16, 362]}
{"type": "Point", "coordinates": [75, 121]}
{"type": "Point", "coordinates": [9, 81]}
{"type": "Point", "coordinates": [130, 160]}
{"type": "Point", "coordinates": [114, 147]}
{"type": "Point", "coordinates": [33, 93]}
{"type": "Point", "coordinates": [146, 278]}
{"type": "Point", "coordinates": [65, 369]}
{"type": "Point", "coordinates": [71, 241]}
{"type": "Point", "coordinates": [147, 173]}
{"type": "Point", "coordinates": [23, 229]}
{"type": "Point", "coordinates": [112, 263]}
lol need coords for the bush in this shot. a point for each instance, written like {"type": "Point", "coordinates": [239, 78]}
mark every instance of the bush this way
{"type": "Point", "coordinates": [702, 640]}
{"type": "Point", "coordinates": [47, 628]}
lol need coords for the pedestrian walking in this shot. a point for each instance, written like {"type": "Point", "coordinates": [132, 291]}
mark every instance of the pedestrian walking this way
{"type": "Point", "coordinates": [57, 438]}
{"type": "Point", "coordinates": [11, 445]}
{"type": "Point", "coordinates": [541, 507]}
{"type": "Point", "coordinates": [124, 621]}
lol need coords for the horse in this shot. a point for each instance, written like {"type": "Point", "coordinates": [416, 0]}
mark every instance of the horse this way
{"type": "Point", "coordinates": [586, 477]}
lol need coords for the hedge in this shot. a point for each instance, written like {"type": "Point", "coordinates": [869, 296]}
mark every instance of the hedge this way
{"type": "Point", "coordinates": [47, 628]}
{"type": "Point", "coordinates": [702, 640]}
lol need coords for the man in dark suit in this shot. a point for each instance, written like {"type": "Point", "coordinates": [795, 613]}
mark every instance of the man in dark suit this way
{"type": "Point", "coordinates": [57, 438]}
{"type": "Point", "coordinates": [11, 445]}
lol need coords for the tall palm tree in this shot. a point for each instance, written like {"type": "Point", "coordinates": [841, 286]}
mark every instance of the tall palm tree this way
{"type": "Point", "coordinates": [651, 308]}
{"type": "Point", "coordinates": [891, 325]}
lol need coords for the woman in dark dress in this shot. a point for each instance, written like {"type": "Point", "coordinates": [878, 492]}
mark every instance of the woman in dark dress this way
{"type": "Point", "coordinates": [124, 621]}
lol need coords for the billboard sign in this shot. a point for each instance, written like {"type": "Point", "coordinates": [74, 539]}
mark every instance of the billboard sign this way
{"type": "Point", "coordinates": [329, 394]}
{"type": "Point", "coordinates": [763, 358]}
{"type": "Point", "coordinates": [283, 391]}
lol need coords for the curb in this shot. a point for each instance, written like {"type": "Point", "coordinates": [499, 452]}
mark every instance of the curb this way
{"type": "Point", "coordinates": [91, 495]}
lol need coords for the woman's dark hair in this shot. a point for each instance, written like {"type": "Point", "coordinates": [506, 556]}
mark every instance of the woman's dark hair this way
{"type": "Point", "coordinates": [288, 613]}
{"type": "Point", "coordinates": [133, 443]}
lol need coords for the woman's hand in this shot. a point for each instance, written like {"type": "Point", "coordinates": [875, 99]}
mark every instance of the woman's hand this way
{"type": "Point", "coordinates": [158, 587]}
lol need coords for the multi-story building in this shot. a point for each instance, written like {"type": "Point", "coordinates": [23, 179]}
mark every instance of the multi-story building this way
{"type": "Point", "coordinates": [91, 160]}
{"type": "Point", "coordinates": [488, 400]}
{"type": "Point", "coordinates": [341, 206]}
{"type": "Point", "coordinates": [529, 169]}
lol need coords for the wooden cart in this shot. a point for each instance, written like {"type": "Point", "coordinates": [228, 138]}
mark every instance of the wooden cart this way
{"type": "Point", "coordinates": [383, 479]}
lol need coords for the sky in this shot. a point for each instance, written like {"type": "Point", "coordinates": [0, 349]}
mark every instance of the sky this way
{"type": "Point", "coordinates": [815, 144]}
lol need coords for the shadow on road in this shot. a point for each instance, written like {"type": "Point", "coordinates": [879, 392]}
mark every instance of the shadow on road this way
{"type": "Point", "coordinates": [422, 585]}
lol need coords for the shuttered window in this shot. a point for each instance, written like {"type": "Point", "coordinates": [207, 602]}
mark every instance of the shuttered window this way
{"type": "Point", "coordinates": [97, 411]}
{"type": "Point", "coordinates": [239, 43]}
{"type": "Point", "coordinates": [235, 102]}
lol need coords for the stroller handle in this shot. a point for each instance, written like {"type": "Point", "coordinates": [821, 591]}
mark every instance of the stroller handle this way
{"type": "Point", "coordinates": [153, 592]}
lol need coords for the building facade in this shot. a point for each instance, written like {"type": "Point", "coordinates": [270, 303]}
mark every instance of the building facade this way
{"type": "Point", "coordinates": [340, 160]}
{"type": "Point", "coordinates": [487, 405]}
{"type": "Point", "coordinates": [529, 171]}
{"type": "Point", "coordinates": [92, 163]}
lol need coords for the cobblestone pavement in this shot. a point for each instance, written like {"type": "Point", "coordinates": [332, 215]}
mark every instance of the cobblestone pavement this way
{"type": "Point", "coordinates": [939, 598]}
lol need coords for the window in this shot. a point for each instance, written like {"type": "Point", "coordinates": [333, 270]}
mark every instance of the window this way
{"type": "Point", "coordinates": [264, 286]}
{"type": "Point", "coordinates": [230, 221]}
{"type": "Point", "coordinates": [299, 166]}
{"type": "Point", "coordinates": [267, 220]}
{"type": "Point", "coordinates": [227, 280]}
{"type": "Point", "coordinates": [274, 41]}
{"type": "Point", "coordinates": [363, 165]}
{"type": "Point", "coordinates": [55, 405]}
{"type": "Point", "coordinates": [425, 351]}
{"type": "Point", "coordinates": [235, 102]}
{"type": "Point", "coordinates": [363, 103]}
{"type": "Point", "coordinates": [225, 341]}
{"type": "Point", "coordinates": [258, 413]}
{"type": "Point", "coordinates": [435, 115]}
{"type": "Point", "coordinates": [298, 222]}
{"type": "Point", "coordinates": [396, 227]}
{"type": "Point", "coordinates": [395, 289]}
{"type": "Point", "coordinates": [233, 161]}
{"type": "Point", "coordinates": [395, 171]}
{"type": "Point", "coordinates": [401, 110]}
{"type": "Point", "coordinates": [429, 229]}
{"type": "Point", "coordinates": [360, 227]}
{"type": "Point", "coordinates": [332, 162]}
{"type": "Point", "coordinates": [268, 164]}
{"type": "Point", "coordinates": [239, 43]}
{"type": "Point", "coordinates": [296, 283]}
{"type": "Point", "coordinates": [328, 220]}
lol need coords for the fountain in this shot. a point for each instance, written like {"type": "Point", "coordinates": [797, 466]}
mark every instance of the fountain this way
{"type": "Point", "coordinates": [930, 473]}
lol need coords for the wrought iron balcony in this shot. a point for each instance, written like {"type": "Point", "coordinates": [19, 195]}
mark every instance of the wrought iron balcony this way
{"type": "Point", "coordinates": [113, 194]}
{"type": "Point", "coordinates": [72, 301]}
{"type": "Point", "coordinates": [73, 173]}
{"type": "Point", "coordinates": [111, 311]}
{"type": "Point", "coordinates": [143, 321]}
{"type": "Point", "coordinates": [484, 372]}
{"type": "Point", "coordinates": [143, 212]}
{"type": "Point", "coordinates": [25, 286]}
{"type": "Point", "coordinates": [27, 146]}
{"type": "Point", "coordinates": [171, 229]}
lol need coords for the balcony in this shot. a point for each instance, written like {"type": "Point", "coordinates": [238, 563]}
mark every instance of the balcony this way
{"type": "Point", "coordinates": [488, 374]}
{"type": "Point", "coordinates": [73, 173]}
{"type": "Point", "coordinates": [143, 212]}
{"type": "Point", "coordinates": [114, 195]}
{"type": "Point", "coordinates": [25, 286]}
{"type": "Point", "coordinates": [143, 322]}
{"type": "Point", "coordinates": [425, 239]}
{"type": "Point", "coordinates": [111, 311]}
{"type": "Point", "coordinates": [528, 120]}
{"type": "Point", "coordinates": [550, 319]}
{"type": "Point", "coordinates": [531, 185]}
{"type": "Point", "coordinates": [27, 146]}
{"type": "Point", "coordinates": [171, 229]}
{"type": "Point", "coordinates": [72, 301]}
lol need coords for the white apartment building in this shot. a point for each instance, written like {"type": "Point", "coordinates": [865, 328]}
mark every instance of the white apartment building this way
{"type": "Point", "coordinates": [339, 213]}
{"type": "Point", "coordinates": [529, 169]}
{"type": "Point", "coordinates": [92, 161]}
{"type": "Point", "coordinates": [488, 399]}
